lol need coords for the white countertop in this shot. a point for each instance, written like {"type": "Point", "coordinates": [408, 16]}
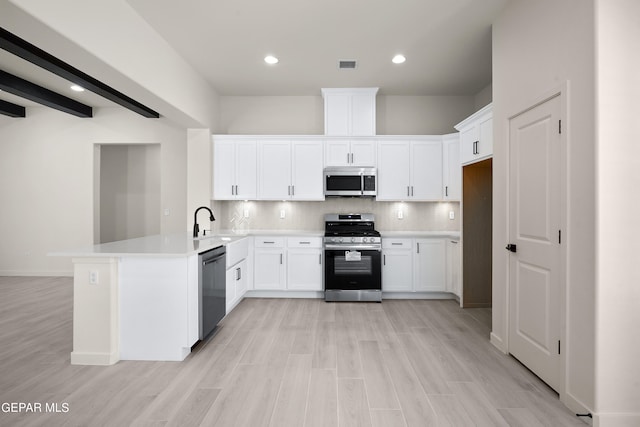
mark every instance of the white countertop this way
{"type": "Point", "coordinates": [160, 245]}
{"type": "Point", "coordinates": [182, 244]}
{"type": "Point", "coordinates": [409, 234]}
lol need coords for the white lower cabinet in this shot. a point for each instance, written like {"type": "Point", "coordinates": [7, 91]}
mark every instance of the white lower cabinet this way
{"type": "Point", "coordinates": [269, 268]}
{"type": "Point", "coordinates": [304, 264]}
{"type": "Point", "coordinates": [453, 267]}
{"type": "Point", "coordinates": [419, 265]}
{"type": "Point", "coordinates": [430, 265]}
{"type": "Point", "coordinates": [238, 275]}
{"type": "Point", "coordinates": [237, 278]}
{"type": "Point", "coordinates": [291, 263]}
{"type": "Point", "coordinates": [397, 265]}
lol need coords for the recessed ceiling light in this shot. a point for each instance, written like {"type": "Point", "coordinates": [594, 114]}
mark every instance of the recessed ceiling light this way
{"type": "Point", "coordinates": [398, 59]}
{"type": "Point", "coordinates": [270, 59]}
{"type": "Point", "coordinates": [77, 88]}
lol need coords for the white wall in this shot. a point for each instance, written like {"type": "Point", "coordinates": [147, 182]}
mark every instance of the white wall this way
{"type": "Point", "coordinates": [538, 46]}
{"type": "Point", "coordinates": [129, 191]}
{"type": "Point", "coordinates": [47, 181]}
{"type": "Point", "coordinates": [304, 115]}
{"type": "Point", "coordinates": [618, 211]}
{"type": "Point", "coordinates": [484, 97]}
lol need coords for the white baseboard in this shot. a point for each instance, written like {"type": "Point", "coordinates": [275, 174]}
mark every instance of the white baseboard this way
{"type": "Point", "coordinates": [497, 343]}
{"type": "Point", "coordinates": [18, 273]}
{"type": "Point", "coordinates": [616, 420]}
{"type": "Point", "coordinates": [102, 359]}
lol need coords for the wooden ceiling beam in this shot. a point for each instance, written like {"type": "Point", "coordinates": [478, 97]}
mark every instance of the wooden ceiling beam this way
{"type": "Point", "coordinates": [25, 50]}
{"type": "Point", "coordinates": [25, 89]}
{"type": "Point", "coordinates": [11, 110]}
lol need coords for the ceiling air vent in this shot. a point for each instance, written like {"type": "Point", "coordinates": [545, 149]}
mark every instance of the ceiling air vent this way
{"type": "Point", "coordinates": [347, 65]}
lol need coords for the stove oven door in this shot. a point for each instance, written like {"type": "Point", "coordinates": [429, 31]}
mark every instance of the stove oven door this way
{"type": "Point", "coordinates": [352, 269]}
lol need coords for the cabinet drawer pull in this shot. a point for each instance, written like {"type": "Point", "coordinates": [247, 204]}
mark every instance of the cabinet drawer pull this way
{"type": "Point", "coordinates": [397, 243]}
{"type": "Point", "coordinates": [268, 243]}
{"type": "Point", "coordinates": [305, 243]}
{"type": "Point", "coordinates": [454, 241]}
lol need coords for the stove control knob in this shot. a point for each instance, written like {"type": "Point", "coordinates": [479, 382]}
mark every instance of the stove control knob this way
{"type": "Point", "coordinates": [333, 239]}
{"type": "Point", "coordinates": [340, 240]}
{"type": "Point", "coordinates": [353, 239]}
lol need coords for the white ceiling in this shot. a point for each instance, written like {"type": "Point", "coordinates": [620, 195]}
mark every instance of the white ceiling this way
{"type": "Point", "coordinates": [447, 43]}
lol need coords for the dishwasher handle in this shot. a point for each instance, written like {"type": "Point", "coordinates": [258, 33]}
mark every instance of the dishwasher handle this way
{"type": "Point", "coordinates": [214, 259]}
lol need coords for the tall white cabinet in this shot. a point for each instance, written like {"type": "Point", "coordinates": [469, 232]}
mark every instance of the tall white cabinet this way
{"type": "Point", "coordinates": [452, 169]}
{"type": "Point", "coordinates": [350, 111]}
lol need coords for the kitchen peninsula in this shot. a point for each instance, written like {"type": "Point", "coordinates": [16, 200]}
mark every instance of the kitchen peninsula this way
{"type": "Point", "coordinates": [137, 299]}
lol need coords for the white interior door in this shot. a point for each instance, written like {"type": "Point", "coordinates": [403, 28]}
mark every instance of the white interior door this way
{"type": "Point", "coordinates": [534, 227]}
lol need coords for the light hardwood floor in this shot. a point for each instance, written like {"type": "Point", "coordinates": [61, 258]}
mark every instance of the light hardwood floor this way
{"type": "Point", "coordinates": [276, 362]}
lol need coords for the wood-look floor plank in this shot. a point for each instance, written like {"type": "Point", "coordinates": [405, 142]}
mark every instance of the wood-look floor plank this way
{"type": "Point", "coordinates": [195, 407]}
{"type": "Point", "coordinates": [377, 381]}
{"type": "Point", "coordinates": [324, 349]}
{"type": "Point", "coordinates": [387, 418]}
{"type": "Point", "coordinates": [353, 408]}
{"type": "Point", "coordinates": [450, 411]}
{"type": "Point", "coordinates": [475, 402]}
{"type": "Point", "coordinates": [291, 403]}
{"type": "Point", "coordinates": [416, 408]}
{"type": "Point", "coordinates": [322, 404]}
{"type": "Point", "coordinates": [348, 354]}
{"type": "Point", "coordinates": [519, 417]}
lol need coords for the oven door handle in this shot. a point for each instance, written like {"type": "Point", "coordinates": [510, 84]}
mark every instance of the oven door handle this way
{"type": "Point", "coordinates": [330, 247]}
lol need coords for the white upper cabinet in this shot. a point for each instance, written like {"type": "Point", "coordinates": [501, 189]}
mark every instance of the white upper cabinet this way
{"type": "Point", "coordinates": [476, 136]}
{"type": "Point", "coordinates": [234, 169]}
{"type": "Point", "coordinates": [410, 170]}
{"type": "Point", "coordinates": [307, 166]}
{"type": "Point", "coordinates": [350, 152]}
{"type": "Point", "coordinates": [290, 170]}
{"type": "Point", "coordinates": [350, 111]}
{"type": "Point", "coordinates": [451, 167]}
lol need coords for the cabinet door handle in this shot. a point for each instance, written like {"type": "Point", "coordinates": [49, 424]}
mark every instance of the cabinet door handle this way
{"type": "Point", "coordinates": [238, 273]}
{"type": "Point", "coordinates": [288, 190]}
{"type": "Point", "coordinates": [348, 157]}
{"type": "Point", "coordinates": [408, 194]}
{"type": "Point", "coordinates": [280, 258]}
{"type": "Point", "coordinates": [446, 190]}
{"type": "Point", "coordinates": [236, 190]}
{"type": "Point", "coordinates": [320, 259]}
{"type": "Point", "coordinates": [351, 158]}
{"type": "Point", "coordinates": [384, 260]}
{"type": "Point", "coordinates": [412, 191]}
{"type": "Point", "coordinates": [418, 248]}
{"type": "Point", "coordinates": [233, 190]}
{"type": "Point", "coordinates": [293, 190]}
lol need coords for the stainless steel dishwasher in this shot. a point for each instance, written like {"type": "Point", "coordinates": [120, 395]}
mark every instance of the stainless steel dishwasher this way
{"type": "Point", "coordinates": [212, 289]}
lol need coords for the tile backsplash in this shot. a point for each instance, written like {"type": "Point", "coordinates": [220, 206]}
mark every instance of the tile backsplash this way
{"type": "Point", "coordinates": [309, 216]}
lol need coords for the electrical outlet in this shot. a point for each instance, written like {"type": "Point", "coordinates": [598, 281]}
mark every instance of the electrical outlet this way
{"type": "Point", "coordinates": [246, 213]}
{"type": "Point", "coordinates": [282, 213]}
{"type": "Point", "coordinates": [452, 215]}
{"type": "Point", "coordinates": [93, 277]}
{"type": "Point", "coordinates": [400, 214]}
{"type": "Point", "coordinates": [167, 212]}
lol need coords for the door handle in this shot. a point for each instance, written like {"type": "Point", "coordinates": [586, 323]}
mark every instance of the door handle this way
{"type": "Point", "coordinates": [511, 247]}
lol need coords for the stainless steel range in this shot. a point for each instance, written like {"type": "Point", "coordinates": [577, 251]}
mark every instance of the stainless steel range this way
{"type": "Point", "coordinates": [353, 252]}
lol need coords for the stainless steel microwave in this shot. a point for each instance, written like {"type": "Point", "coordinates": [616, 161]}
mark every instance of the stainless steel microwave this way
{"type": "Point", "coordinates": [350, 181]}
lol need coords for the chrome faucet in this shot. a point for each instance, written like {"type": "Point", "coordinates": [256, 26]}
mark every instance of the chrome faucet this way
{"type": "Point", "coordinates": [196, 228]}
